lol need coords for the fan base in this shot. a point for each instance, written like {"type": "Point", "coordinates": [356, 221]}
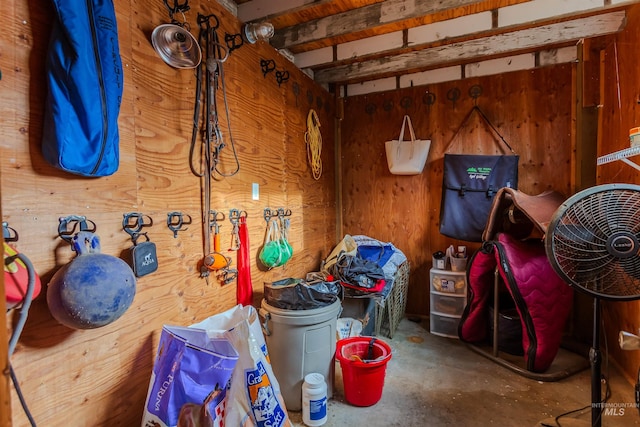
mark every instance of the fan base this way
{"type": "Point", "coordinates": [565, 364]}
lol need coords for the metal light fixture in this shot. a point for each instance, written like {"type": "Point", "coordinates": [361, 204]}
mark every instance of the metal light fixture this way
{"type": "Point", "coordinates": [173, 42]}
{"type": "Point", "coordinates": [255, 31]}
{"type": "Point", "coordinates": [176, 46]}
{"type": "Point", "coordinates": [251, 33]}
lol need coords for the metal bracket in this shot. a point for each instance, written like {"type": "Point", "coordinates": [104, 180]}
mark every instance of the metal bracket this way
{"type": "Point", "coordinates": [268, 213]}
{"type": "Point", "coordinates": [132, 223]}
{"type": "Point", "coordinates": [70, 225]}
{"type": "Point", "coordinates": [267, 66]}
{"type": "Point", "coordinates": [176, 221]}
{"type": "Point", "coordinates": [282, 76]}
{"type": "Point", "coordinates": [9, 234]}
{"type": "Point", "coordinates": [233, 41]}
{"type": "Point", "coordinates": [453, 95]}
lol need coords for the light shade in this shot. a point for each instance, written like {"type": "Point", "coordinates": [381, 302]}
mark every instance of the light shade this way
{"type": "Point", "coordinates": [258, 31]}
{"type": "Point", "coordinates": [176, 46]}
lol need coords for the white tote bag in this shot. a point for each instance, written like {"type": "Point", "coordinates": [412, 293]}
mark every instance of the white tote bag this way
{"type": "Point", "coordinates": [407, 157]}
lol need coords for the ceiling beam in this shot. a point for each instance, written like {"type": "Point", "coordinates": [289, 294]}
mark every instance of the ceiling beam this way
{"type": "Point", "coordinates": [261, 9]}
{"type": "Point", "coordinates": [472, 50]}
{"type": "Point", "coordinates": [389, 13]}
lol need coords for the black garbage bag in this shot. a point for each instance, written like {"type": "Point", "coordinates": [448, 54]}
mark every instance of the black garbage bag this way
{"type": "Point", "coordinates": [298, 294]}
{"type": "Point", "coordinates": [358, 273]}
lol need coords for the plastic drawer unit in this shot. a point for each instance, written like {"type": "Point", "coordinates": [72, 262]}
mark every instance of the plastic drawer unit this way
{"type": "Point", "coordinates": [448, 298]}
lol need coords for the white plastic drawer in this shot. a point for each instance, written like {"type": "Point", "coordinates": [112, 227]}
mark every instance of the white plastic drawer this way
{"type": "Point", "coordinates": [446, 326]}
{"type": "Point", "coordinates": [448, 304]}
{"type": "Point", "coordinates": [448, 282]}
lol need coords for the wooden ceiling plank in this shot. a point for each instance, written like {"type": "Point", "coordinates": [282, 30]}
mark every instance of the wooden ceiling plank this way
{"type": "Point", "coordinates": [500, 44]}
{"type": "Point", "coordinates": [260, 9]}
{"type": "Point", "coordinates": [387, 16]}
{"type": "Point", "coordinates": [469, 27]}
{"type": "Point", "coordinates": [285, 13]}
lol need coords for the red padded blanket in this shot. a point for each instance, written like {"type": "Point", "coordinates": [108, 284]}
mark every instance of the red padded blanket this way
{"type": "Point", "coordinates": [543, 299]}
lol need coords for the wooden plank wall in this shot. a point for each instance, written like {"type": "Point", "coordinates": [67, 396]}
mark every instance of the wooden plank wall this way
{"type": "Point", "coordinates": [620, 109]}
{"type": "Point", "coordinates": [100, 377]}
{"type": "Point", "coordinates": [532, 111]}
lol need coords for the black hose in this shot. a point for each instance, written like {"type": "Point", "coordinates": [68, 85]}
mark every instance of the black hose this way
{"type": "Point", "coordinates": [22, 320]}
{"type": "Point", "coordinates": [26, 303]}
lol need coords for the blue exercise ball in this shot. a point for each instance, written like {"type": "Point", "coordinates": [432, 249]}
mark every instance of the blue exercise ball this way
{"type": "Point", "coordinates": [94, 289]}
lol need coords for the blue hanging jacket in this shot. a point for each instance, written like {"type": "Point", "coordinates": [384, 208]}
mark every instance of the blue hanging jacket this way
{"type": "Point", "coordinates": [85, 83]}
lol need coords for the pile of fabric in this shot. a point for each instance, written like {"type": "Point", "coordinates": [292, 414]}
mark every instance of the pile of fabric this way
{"type": "Point", "coordinates": [364, 266]}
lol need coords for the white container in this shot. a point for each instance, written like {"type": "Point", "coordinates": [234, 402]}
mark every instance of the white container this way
{"type": "Point", "coordinates": [634, 137]}
{"type": "Point", "coordinates": [443, 325]}
{"type": "Point", "coordinates": [448, 281]}
{"type": "Point", "coordinates": [314, 400]}
{"type": "Point", "coordinates": [449, 304]}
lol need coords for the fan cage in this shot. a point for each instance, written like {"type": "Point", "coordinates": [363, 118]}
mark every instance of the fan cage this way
{"type": "Point", "coordinates": [580, 235]}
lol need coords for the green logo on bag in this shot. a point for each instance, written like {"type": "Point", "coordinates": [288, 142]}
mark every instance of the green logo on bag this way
{"type": "Point", "coordinates": [478, 173]}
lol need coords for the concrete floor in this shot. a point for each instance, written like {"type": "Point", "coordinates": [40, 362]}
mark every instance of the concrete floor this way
{"type": "Point", "coordinates": [436, 381]}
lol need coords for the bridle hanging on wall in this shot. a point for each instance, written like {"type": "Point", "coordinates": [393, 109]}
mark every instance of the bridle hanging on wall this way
{"type": "Point", "coordinates": [216, 54]}
{"type": "Point", "coordinates": [213, 142]}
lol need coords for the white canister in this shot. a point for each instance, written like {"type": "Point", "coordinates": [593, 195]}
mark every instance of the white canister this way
{"type": "Point", "coordinates": [314, 400]}
{"type": "Point", "coordinates": [634, 137]}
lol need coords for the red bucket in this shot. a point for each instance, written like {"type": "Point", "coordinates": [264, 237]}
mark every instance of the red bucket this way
{"type": "Point", "coordinates": [364, 362]}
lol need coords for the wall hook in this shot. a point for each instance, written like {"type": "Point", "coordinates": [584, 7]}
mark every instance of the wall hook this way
{"type": "Point", "coordinates": [267, 214]}
{"type": "Point", "coordinates": [474, 92]}
{"type": "Point", "coordinates": [429, 98]}
{"type": "Point", "coordinates": [176, 221]}
{"type": "Point", "coordinates": [267, 66]}
{"type": "Point", "coordinates": [282, 76]}
{"type": "Point", "coordinates": [9, 234]}
{"type": "Point", "coordinates": [406, 102]}
{"type": "Point", "coordinates": [453, 95]}
{"type": "Point", "coordinates": [69, 224]}
{"type": "Point", "coordinates": [132, 222]}
{"type": "Point", "coordinates": [370, 108]}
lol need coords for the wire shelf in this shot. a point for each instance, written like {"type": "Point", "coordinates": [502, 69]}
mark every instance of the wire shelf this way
{"type": "Point", "coordinates": [622, 156]}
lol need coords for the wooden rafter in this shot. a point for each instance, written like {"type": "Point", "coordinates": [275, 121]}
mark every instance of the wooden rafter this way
{"type": "Point", "coordinates": [378, 18]}
{"type": "Point", "coordinates": [472, 50]}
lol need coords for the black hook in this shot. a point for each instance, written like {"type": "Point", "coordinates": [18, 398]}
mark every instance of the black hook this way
{"type": "Point", "coordinates": [233, 41]}
{"type": "Point", "coordinates": [230, 274]}
{"type": "Point", "coordinates": [236, 214]}
{"type": "Point", "coordinates": [176, 222]}
{"type": "Point", "coordinates": [132, 222]}
{"type": "Point", "coordinates": [429, 98]}
{"type": "Point", "coordinates": [206, 19]}
{"type": "Point", "coordinates": [214, 217]}
{"type": "Point", "coordinates": [370, 108]}
{"type": "Point", "coordinates": [267, 66]}
{"type": "Point", "coordinates": [9, 234]}
{"type": "Point", "coordinates": [453, 95]}
{"type": "Point", "coordinates": [474, 92]}
{"type": "Point", "coordinates": [75, 221]}
{"type": "Point", "coordinates": [282, 76]}
{"type": "Point", "coordinates": [177, 7]}
{"type": "Point", "coordinates": [267, 214]}
{"type": "Point", "coordinates": [406, 102]}
{"type": "Point", "coordinates": [283, 212]}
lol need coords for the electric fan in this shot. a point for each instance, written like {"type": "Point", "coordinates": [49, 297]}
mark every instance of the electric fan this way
{"type": "Point", "coordinates": [592, 242]}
